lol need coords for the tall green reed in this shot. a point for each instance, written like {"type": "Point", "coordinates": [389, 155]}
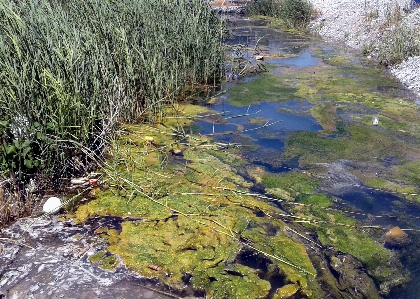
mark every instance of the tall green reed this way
{"type": "Point", "coordinates": [70, 70]}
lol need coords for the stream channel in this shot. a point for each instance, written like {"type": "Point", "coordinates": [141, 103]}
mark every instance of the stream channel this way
{"type": "Point", "coordinates": [298, 117]}
{"type": "Point", "coordinates": [294, 114]}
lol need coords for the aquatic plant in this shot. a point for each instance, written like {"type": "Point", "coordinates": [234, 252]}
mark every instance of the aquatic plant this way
{"type": "Point", "coordinates": [72, 70]}
{"type": "Point", "coordinates": [264, 7]}
{"type": "Point", "coordinates": [296, 13]}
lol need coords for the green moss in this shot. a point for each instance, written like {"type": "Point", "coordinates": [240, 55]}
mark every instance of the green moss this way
{"type": "Point", "coordinates": [337, 60]}
{"type": "Point", "coordinates": [319, 200]}
{"type": "Point", "coordinates": [359, 143]}
{"type": "Point", "coordinates": [189, 224]}
{"type": "Point", "coordinates": [230, 157]}
{"type": "Point", "coordinates": [384, 184]}
{"type": "Point", "coordinates": [97, 257]}
{"type": "Point", "coordinates": [326, 115]}
{"type": "Point", "coordinates": [293, 182]}
{"type": "Point", "coordinates": [266, 88]}
{"type": "Point", "coordinates": [258, 121]}
{"type": "Point", "coordinates": [409, 172]}
{"type": "Point", "coordinates": [104, 261]}
{"type": "Point", "coordinates": [181, 245]}
{"type": "Point", "coordinates": [286, 291]}
{"type": "Point", "coordinates": [109, 263]}
{"type": "Point", "coordinates": [361, 246]}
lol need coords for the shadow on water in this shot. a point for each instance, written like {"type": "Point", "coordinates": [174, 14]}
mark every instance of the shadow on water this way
{"type": "Point", "coordinates": [395, 212]}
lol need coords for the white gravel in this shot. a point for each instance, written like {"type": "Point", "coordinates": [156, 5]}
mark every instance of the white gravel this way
{"type": "Point", "coordinates": [357, 23]}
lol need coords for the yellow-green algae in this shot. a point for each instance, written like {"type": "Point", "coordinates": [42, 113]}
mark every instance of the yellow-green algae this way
{"type": "Point", "coordinates": [264, 88]}
{"type": "Point", "coordinates": [193, 218]}
{"type": "Point", "coordinates": [258, 120]}
{"type": "Point", "coordinates": [104, 261]}
{"type": "Point", "coordinates": [286, 291]}
{"type": "Point", "coordinates": [332, 226]}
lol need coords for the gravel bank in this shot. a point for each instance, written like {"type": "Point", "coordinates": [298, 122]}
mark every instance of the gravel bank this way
{"type": "Point", "coordinates": [362, 22]}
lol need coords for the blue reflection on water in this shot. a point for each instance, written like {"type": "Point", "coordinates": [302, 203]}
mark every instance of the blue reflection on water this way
{"type": "Point", "coordinates": [269, 137]}
{"type": "Point", "coordinates": [304, 59]}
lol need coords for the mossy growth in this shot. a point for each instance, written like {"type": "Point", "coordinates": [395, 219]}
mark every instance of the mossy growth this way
{"type": "Point", "coordinates": [286, 291]}
{"type": "Point", "coordinates": [332, 226]}
{"type": "Point", "coordinates": [346, 84]}
{"type": "Point", "coordinates": [184, 219]}
{"type": "Point", "coordinates": [335, 229]}
{"type": "Point", "coordinates": [295, 183]}
{"type": "Point", "coordinates": [358, 143]}
{"type": "Point", "coordinates": [265, 88]}
{"type": "Point", "coordinates": [258, 120]}
{"type": "Point", "coordinates": [107, 262]}
{"type": "Point", "coordinates": [325, 113]}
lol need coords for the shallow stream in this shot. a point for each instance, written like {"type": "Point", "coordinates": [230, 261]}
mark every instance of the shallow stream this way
{"type": "Point", "coordinates": [267, 125]}
{"type": "Point", "coordinates": [304, 134]}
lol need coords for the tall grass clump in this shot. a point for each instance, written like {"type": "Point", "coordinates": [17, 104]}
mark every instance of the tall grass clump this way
{"type": "Point", "coordinates": [71, 70]}
{"type": "Point", "coordinates": [399, 44]}
{"type": "Point", "coordinates": [295, 14]}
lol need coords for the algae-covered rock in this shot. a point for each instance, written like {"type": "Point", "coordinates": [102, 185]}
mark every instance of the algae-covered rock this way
{"type": "Point", "coordinates": [107, 262]}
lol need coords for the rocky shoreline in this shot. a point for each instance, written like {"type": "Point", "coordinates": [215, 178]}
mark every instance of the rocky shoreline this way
{"type": "Point", "coordinates": [358, 23]}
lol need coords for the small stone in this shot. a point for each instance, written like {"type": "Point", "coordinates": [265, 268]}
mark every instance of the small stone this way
{"type": "Point", "coordinates": [52, 205]}
{"type": "Point", "coordinates": [396, 233]}
{"type": "Point", "coordinates": [396, 237]}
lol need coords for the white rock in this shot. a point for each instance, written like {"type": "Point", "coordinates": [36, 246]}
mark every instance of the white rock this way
{"type": "Point", "coordinates": [52, 205]}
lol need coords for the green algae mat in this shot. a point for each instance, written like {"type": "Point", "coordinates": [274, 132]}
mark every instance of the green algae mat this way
{"type": "Point", "coordinates": [189, 220]}
{"type": "Point", "coordinates": [188, 216]}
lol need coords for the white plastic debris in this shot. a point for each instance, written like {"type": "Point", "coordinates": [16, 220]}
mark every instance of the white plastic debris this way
{"type": "Point", "coordinates": [52, 205]}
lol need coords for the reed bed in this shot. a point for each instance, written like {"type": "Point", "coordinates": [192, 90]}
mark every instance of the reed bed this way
{"type": "Point", "coordinates": [71, 70]}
